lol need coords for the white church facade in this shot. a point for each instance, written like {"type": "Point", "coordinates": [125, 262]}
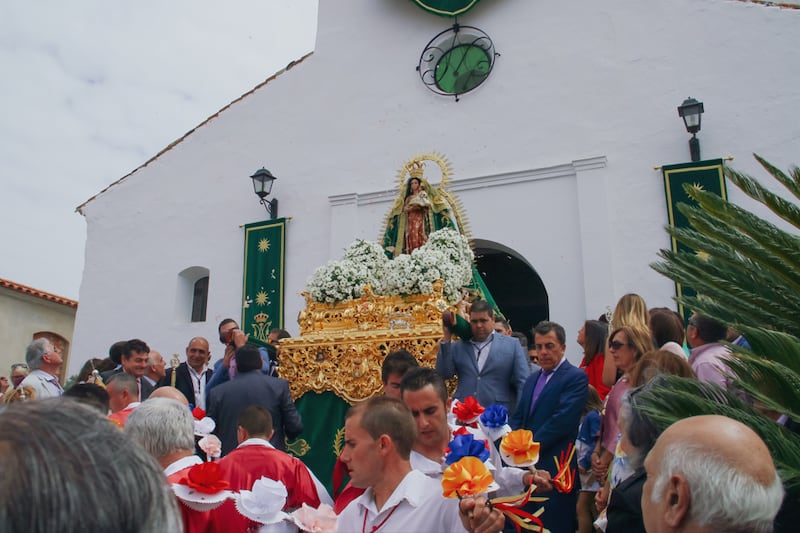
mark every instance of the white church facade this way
{"type": "Point", "coordinates": [553, 155]}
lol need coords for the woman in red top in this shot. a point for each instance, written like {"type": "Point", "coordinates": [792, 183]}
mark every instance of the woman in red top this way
{"type": "Point", "coordinates": [592, 338]}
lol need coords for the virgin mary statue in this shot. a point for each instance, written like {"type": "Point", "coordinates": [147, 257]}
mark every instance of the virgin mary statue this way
{"type": "Point", "coordinates": [420, 209]}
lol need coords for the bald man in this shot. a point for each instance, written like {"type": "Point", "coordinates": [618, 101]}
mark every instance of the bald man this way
{"type": "Point", "coordinates": [171, 393]}
{"type": "Point", "coordinates": [192, 376]}
{"type": "Point", "coordinates": [710, 474]}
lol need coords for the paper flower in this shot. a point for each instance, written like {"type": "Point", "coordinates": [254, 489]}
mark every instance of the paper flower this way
{"type": "Point", "coordinates": [198, 413]}
{"type": "Point", "coordinates": [518, 448]}
{"type": "Point", "coordinates": [205, 478]}
{"type": "Point", "coordinates": [495, 416]}
{"type": "Point", "coordinates": [211, 445]}
{"type": "Point", "coordinates": [468, 411]}
{"type": "Point", "coordinates": [466, 477]}
{"type": "Point", "coordinates": [321, 520]}
{"type": "Point", "coordinates": [264, 502]}
{"type": "Point", "coordinates": [466, 445]}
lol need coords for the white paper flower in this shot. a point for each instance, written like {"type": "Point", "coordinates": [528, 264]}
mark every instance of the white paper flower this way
{"type": "Point", "coordinates": [263, 503]}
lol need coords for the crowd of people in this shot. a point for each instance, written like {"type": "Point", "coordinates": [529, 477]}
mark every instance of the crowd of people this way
{"type": "Point", "coordinates": [706, 473]}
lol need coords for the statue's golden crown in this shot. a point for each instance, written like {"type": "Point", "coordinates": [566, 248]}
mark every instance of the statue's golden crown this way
{"type": "Point", "coordinates": [415, 169]}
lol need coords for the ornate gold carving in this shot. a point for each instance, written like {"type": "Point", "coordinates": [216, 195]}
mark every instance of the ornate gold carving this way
{"type": "Point", "coordinates": [298, 447]}
{"type": "Point", "coordinates": [341, 346]}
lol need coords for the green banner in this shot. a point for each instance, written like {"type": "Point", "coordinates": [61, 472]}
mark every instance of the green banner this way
{"type": "Point", "coordinates": [446, 8]}
{"type": "Point", "coordinates": [322, 438]}
{"type": "Point", "coordinates": [264, 259]}
{"type": "Point", "coordinates": [706, 174]}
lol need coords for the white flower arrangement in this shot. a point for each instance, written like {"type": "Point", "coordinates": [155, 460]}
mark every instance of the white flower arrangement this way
{"type": "Point", "coordinates": [445, 256]}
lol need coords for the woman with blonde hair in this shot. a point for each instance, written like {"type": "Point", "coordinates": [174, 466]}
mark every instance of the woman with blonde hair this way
{"type": "Point", "coordinates": [631, 310]}
{"type": "Point", "coordinates": [626, 346]}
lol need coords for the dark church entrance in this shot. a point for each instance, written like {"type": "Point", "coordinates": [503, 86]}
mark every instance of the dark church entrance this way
{"type": "Point", "coordinates": [516, 287]}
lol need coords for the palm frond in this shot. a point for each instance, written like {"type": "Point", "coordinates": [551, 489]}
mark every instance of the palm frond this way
{"type": "Point", "coordinates": [671, 398]}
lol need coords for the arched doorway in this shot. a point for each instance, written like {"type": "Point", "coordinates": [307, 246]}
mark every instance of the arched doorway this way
{"type": "Point", "coordinates": [514, 284]}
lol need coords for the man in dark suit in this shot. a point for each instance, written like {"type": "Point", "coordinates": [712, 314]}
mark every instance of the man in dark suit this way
{"type": "Point", "coordinates": [551, 405]}
{"type": "Point", "coordinates": [251, 387]}
{"type": "Point", "coordinates": [134, 361]}
{"type": "Point", "coordinates": [192, 376]}
{"type": "Point", "coordinates": [490, 367]}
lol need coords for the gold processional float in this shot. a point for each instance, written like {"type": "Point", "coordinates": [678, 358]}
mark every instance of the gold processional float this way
{"type": "Point", "coordinates": [342, 343]}
{"type": "Point", "coordinates": [341, 347]}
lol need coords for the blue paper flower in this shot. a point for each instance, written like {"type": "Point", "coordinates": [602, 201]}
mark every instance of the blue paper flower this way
{"type": "Point", "coordinates": [495, 416]}
{"type": "Point", "coordinates": [464, 445]}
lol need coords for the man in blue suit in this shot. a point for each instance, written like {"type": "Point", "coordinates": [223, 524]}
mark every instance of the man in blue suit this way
{"type": "Point", "coordinates": [551, 405]}
{"type": "Point", "coordinates": [490, 367]}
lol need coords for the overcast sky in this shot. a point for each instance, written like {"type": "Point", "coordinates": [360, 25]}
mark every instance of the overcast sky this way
{"type": "Point", "coordinates": [91, 89]}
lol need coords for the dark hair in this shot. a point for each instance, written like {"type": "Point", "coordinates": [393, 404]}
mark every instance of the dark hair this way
{"type": "Point", "coordinates": [523, 339]}
{"type": "Point", "coordinates": [503, 321]}
{"type": "Point", "coordinates": [115, 351]}
{"type": "Point", "coordinates": [248, 358]}
{"type": "Point", "coordinates": [544, 327]}
{"type": "Point", "coordinates": [595, 334]}
{"type": "Point", "coordinates": [708, 329]}
{"type": "Point", "coordinates": [256, 420]}
{"type": "Point", "coordinates": [134, 345]}
{"type": "Point", "coordinates": [89, 394]}
{"type": "Point", "coordinates": [658, 362]}
{"type": "Point", "coordinates": [593, 401]}
{"type": "Point", "coordinates": [481, 306]}
{"type": "Point", "coordinates": [419, 378]}
{"type": "Point", "coordinates": [384, 415]}
{"type": "Point", "coordinates": [226, 321]}
{"type": "Point", "coordinates": [397, 362]}
{"type": "Point", "coordinates": [282, 333]}
{"type": "Point", "coordinates": [666, 325]}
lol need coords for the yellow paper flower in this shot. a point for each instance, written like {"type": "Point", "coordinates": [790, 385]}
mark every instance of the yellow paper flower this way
{"type": "Point", "coordinates": [520, 446]}
{"type": "Point", "coordinates": [466, 477]}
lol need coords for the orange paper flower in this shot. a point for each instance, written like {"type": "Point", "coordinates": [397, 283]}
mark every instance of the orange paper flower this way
{"type": "Point", "coordinates": [520, 446]}
{"type": "Point", "coordinates": [466, 477]}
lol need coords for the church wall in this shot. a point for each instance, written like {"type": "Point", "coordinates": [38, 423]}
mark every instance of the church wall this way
{"type": "Point", "coordinates": [576, 81]}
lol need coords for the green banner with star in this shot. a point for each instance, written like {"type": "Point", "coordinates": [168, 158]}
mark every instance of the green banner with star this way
{"type": "Point", "coordinates": [446, 8]}
{"type": "Point", "coordinates": [264, 259]}
{"type": "Point", "coordinates": [706, 174]}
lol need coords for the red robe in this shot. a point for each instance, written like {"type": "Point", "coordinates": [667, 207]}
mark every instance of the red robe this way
{"type": "Point", "coordinates": [247, 464]}
{"type": "Point", "coordinates": [193, 521]}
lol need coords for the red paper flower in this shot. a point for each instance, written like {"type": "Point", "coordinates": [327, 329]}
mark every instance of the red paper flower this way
{"type": "Point", "coordinates": [468, 410]}
{"type": "Point", "coordinates": [205, 478]}
{"type": "Point", "coordinates": [462, 430]}
{"type": "Point", "coordinates": [198, 413]}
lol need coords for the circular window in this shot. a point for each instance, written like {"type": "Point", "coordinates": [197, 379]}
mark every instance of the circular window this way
{"type": "Point", "coordinates": [457, 60]}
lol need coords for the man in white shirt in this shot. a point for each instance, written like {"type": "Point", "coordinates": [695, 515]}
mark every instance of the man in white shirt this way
{"type": "Point", "coordinates": [425, 394]}
{"type": "Point", "coordinates": [379, 434]}
{"type": "Point", "coordinates": [45, 361]}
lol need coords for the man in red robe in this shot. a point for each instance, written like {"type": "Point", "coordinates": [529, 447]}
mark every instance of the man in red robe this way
{"type": "Point", "coordinates": [255, 458]}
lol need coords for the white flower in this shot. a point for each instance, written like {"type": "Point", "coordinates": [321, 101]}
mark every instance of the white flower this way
{"type": "Point", "coordinates": [445, 256]}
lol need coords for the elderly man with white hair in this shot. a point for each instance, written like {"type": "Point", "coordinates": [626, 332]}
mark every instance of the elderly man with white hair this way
{"type": "Point", "coordinates": [710, 474]}
{"type": "Point", "coordinates": [44, 360]}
